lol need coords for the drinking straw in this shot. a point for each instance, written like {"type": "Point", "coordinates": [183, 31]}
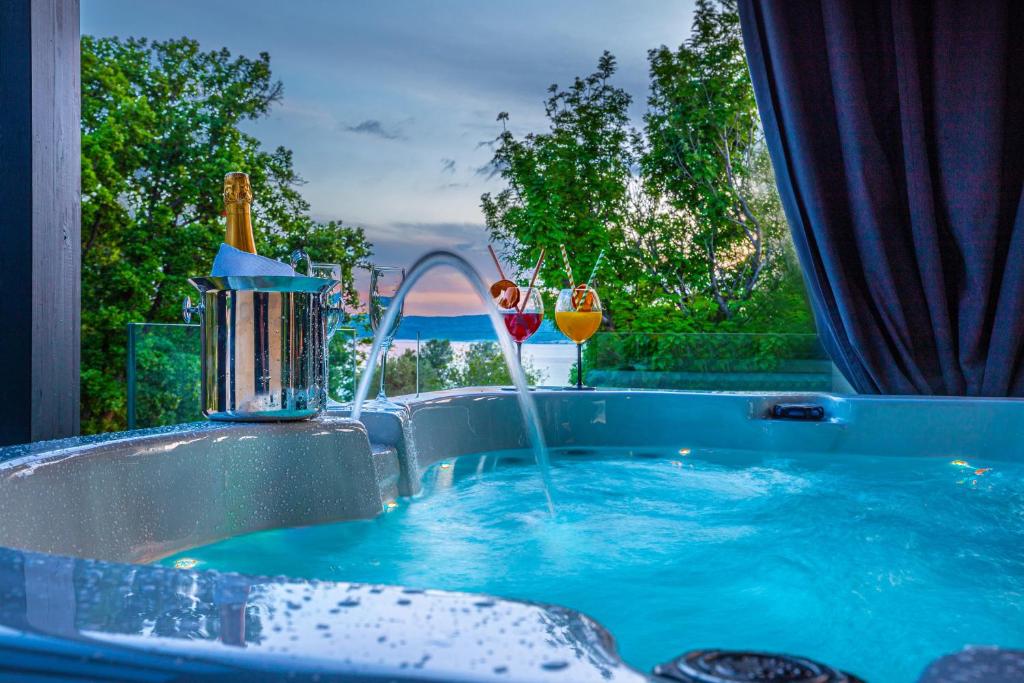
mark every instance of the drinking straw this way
{"type": "Point", "coordinates": [568, 268]}
{"type": "Point", "coordinates": [495, 257]}
{"type": "Point", "coordinates": [529, 290]}
{"type": "Point", "coordinates": [597, 264]}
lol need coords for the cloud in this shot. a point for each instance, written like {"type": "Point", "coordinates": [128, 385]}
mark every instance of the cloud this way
{"type": "Point", "coordinates": [448, 166]}
{"type": "Point", "coordinates": [376, 128]}
{"type": "Point", "coordinates": [442, 291]}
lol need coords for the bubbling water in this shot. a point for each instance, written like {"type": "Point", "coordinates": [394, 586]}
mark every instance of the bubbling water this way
{"type": "Point", "coordinates": [531, 420]}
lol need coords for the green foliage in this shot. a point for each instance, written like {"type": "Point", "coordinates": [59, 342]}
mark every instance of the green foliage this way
{"type": "Point", "coordinates": [161, 125]}
{"type": "Point", "coordinates": [686, 208]}
{"type": "Point", "coordinates": [343, 360]}
{"type": "Point", "coordinates": [437, 365]}
{"type": "Point", "coordinates": [702, 352]}
{"type": "Point", "coordinates": [166, 371]}
{"type": "Point", "coordinates": [482, 364]}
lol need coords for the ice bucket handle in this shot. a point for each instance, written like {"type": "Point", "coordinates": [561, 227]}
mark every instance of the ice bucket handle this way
{"type": "Point", "coordinates": [298, 256]}
{"type": "Point", "coordinates": [188, 310]}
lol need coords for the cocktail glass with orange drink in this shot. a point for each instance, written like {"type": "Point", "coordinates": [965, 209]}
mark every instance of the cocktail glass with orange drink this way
{"type": "Point", "coordinates": [578, 316]}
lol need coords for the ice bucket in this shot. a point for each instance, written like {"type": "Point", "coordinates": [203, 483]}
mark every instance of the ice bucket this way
{"type": "Point", "coordinates": [263, 346]}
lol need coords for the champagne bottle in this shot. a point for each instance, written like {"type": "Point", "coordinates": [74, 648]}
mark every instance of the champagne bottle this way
{"type": "Point", "coordinates": [237, 198]}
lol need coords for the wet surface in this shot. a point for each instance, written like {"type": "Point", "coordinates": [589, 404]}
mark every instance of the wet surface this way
{"type": "Point", "coordinates": [187, 619]}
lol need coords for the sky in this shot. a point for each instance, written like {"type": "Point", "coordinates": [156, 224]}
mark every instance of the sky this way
{"type": "Point", "coordinates": [388, 105]}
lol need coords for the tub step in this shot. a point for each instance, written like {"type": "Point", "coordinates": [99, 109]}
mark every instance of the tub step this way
{"type": "Point", "coordinates": [385, 462]}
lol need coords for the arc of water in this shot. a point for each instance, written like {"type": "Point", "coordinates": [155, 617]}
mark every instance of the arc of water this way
{"type": "Point", "coordinates": [531, 419]}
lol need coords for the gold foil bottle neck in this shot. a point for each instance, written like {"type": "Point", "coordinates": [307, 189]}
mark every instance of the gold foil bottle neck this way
{"type": "Point", "coordinates": [237, 197]}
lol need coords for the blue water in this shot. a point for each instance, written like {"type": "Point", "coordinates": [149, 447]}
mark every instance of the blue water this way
{"type": "Point", "coordinates": [872, 564]}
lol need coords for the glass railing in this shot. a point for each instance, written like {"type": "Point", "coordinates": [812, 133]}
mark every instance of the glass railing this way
{"type": "Point", "coordinates": [163, 374]}
{"type": "Point", "coordinates": [715, 362]}
{"type": "Point", "coordinates": [344, 364]}
{"type": "Point", "coordinates": [699, 361]}
{"type": "Point", "coordinates": [163, 366]}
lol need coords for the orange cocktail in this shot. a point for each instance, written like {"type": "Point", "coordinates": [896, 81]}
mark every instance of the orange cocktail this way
{"type": "Point", "coordinates": [578, 315]}
{"type": "Point", "coordinates": [578, 326]}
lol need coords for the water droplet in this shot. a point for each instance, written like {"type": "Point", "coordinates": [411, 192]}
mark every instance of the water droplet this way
{"type": "Point", "coordinates": [556, 665]}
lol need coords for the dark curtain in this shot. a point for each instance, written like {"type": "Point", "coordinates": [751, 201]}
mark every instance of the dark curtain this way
{"type": "Point", "coordinates": [896, 130]}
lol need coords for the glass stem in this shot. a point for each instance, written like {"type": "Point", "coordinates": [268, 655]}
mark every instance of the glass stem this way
{"type": "Point", "coordinates": [579, 366]}
{"type": "Point", "coordinates": [382, 396]}
{"type": "Point", "coordinates": [519, 352]}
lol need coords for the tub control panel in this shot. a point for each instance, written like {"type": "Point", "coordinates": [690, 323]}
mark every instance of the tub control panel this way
{"type": "Point", "coordinates": [807, 412]}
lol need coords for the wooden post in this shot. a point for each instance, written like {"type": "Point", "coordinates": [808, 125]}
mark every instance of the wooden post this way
{"type": "Point", "coordinates": [40, 219]}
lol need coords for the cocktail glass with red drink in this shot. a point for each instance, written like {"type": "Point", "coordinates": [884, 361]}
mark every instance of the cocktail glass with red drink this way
{"type": "Point", "coordinates": [523, 312]}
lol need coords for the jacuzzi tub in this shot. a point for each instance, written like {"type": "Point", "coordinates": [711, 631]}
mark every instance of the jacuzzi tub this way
{"type": "Point", "coordinates": [137, 497]}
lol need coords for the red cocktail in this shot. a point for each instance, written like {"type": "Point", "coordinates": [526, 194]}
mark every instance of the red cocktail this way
{"type": "Point", "coordinates": [522, 314]}
{"type": "Point", "coordinates": [521, 326]}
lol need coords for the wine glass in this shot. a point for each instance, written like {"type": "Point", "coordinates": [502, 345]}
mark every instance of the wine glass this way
{"type": "Point", "coordinates": [384, 284]}
{"type": "Point", "coordinates": [578, 315]}
{"type": "Point", "coordinates": [330, 271]}
{"type": "Point", "coordinates": [522, 310]}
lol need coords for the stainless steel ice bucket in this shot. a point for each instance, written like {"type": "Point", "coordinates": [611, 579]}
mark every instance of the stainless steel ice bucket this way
{"type": "Point", "coordinates": [263, 346]}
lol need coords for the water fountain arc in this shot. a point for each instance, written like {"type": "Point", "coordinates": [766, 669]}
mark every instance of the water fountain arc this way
{"type": "Point", "coordinates": [531, 419]}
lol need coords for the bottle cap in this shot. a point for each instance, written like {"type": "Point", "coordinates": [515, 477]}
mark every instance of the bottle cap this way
{"type": "Point", "coordinates": [237, 189]}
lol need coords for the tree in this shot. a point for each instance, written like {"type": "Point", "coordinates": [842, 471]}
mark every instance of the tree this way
{"type": "Point", "coordinates": [706, 158]}
{"type": "Point", "coordinates": [439, 357]}
{"type": "Point", "coordinates": [567, 185]}
{"type": "Point", "coordinates": [160, 128]}
{"type": "Point", "coordinates": [483, 364]}
{"type": "Point", "coordinates": [440, 367]}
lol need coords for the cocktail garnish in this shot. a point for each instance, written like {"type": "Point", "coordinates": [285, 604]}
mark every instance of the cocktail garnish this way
{"type": "Point", "coordinates": [508, 297]}
{"type": "Point", "coordinates": [499, 287]}
{"type": "Point", "coordinates": [582, 298]}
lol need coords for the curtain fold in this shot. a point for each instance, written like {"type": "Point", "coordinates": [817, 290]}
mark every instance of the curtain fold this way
{"type": "Point", "coordinates": [895, 130]}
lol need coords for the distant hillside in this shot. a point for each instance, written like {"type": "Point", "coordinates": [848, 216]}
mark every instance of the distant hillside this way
{"type": "Point", "coordinates": [466, 328]}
